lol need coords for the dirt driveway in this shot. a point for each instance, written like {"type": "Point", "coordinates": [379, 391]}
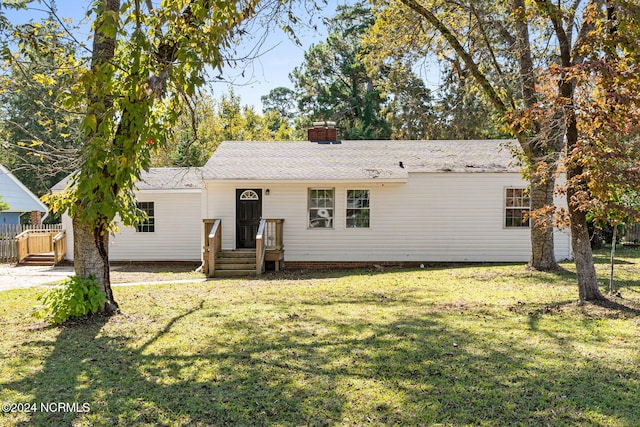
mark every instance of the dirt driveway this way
{"type": "Point", "coordinates": [12, 277]}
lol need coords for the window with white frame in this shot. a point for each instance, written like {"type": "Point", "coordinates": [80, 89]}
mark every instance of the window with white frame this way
{"type": "Point", "coordinates": [149, 224]}
{"type": "Point", "coordinates": [358, 211]}
{"type": "Point", "coordinates": [517, 207]}
{"type": "Point", "coordinates": [321, 205]}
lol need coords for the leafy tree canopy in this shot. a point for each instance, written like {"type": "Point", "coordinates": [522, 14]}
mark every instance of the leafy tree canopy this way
{"type": "Point", "coordinates": [3, 205]}
{"type": "Point", "coordinates": [127, 88]}
{"type": "Point", "coordinates": [333, 83]}
{"type": "Point", "coordinates": [40, 138]}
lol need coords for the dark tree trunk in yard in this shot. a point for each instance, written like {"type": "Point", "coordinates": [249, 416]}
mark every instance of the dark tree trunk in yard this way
{"type": "Point", "coordinates": [580, 241]}
{"type": "Point", "coordinates": [614, 242]}
{"type": "Point", "coordinates": [583, 256]}
{"type": "Point", "coordinates": [542, 244]}
{"type": "Point", "coordinates": [577, 192]}
{"type": "Point", "coordinates": [91, 257]}
{"type": "Point", "coordinates": [540, 150]}
{"type": "Point", "coordinates": [542, 146]}
{"type": "Point", "coordinates": [91, 238]}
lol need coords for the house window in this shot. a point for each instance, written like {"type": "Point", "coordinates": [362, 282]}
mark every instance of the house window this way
{"type": "Point", "coordinates": [517, 207]}
{"type": "Point", "coordinates": [358, 209]}
{"type": "Point", "coordinates": [148, 225]}
{"type": "Point", "coordinates": [321, 208]}
{"type": "Point", "coordinates": [249, 195]}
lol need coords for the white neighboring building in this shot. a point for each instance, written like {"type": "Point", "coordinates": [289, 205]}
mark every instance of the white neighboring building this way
{"type": "Point", "coordinates": [356, 202]}
{"type": "Point", "coordinates": [172, 199]}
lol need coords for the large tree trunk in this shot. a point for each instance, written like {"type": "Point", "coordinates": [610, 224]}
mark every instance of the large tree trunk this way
{"type": "Point", "coordinates": [540, 150]}
{"type": "Point", "coordinates": [582, 254]}
{"type": "Point", "coordinates": [576, 190]}
{"type": "Point", "coordinates": [91, 236]}
{"type": "Point", "coordinates": [542, 245]}
{"type": "Point", "coordinates": [614, 242]}
{"type": "Point", "coordinates": [91, 258]}
{"type": "Point", "coordinates": [545, 147]}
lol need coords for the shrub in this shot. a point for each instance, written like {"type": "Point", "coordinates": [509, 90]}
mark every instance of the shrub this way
{"type": "Point", "coordinates": [73, 298]}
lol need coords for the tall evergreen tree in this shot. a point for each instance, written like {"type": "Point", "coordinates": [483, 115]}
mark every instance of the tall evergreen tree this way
{"type": "Point", "coordinates": [333, 83]}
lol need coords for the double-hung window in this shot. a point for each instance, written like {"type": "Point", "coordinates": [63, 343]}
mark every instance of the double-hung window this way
{"type": "Point", "coordinates": [321, 205]}
{"type": "Point", "coordinates": [358, 212]}
{"type": "Point", "coordinates": [517, 207]}
{"type": "Point", "coordinates": [149, 224]}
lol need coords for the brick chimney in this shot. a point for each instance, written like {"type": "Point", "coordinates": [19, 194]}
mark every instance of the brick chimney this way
{"type": "Point", "coordinates": [36, 217]}
{"type": "Point", "coordinates": [323, 132]}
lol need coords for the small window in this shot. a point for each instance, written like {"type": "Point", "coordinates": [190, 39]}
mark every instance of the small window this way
{"type": "Point", "coordinates": [517, 207]}
{"type": "Point", "coordinates": [358, 212]}
{"type": "Point", "coordinates": [148, 225]}
{"type": "Point", "coordinates": [249, 195]}
{"type": "Point", "coordinates": [321, 208]}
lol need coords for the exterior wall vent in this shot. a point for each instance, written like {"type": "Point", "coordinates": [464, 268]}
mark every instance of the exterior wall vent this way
{"type": "Point", "coordinates": [323, 133]}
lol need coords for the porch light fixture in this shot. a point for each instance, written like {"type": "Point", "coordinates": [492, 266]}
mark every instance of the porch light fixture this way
{"type": "Point", "coordinates": [267, 191]}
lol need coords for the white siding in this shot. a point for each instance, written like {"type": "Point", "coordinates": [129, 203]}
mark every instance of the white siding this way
{"type": "Point", "coordinates": [178, 226]}
{"type": "Point", "coordinates": [433, 217]}
{"type": "Point", "coordinates": [67, 225]}
{"type": "Point", "coordinates": [562, 237]}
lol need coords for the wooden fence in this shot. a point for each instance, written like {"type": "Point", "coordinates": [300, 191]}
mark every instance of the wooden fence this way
{"type": "Point", "coordinates": [8, 251]}
{"type": "Point", "coordinates": [632, 236]}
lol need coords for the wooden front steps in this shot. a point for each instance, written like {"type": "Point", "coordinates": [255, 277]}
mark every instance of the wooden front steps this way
{"type": "Point", "coordinates": [242, 262]}
{"type": "Point", "coordinates": [41, 259]}
{"type": "Point", "coordinates": [238, 263]}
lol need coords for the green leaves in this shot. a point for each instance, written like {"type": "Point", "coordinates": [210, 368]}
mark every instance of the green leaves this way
{"type": "Point", "coordinates": [334, 84]}
{"type": "Point", "coordinates": [608, 114]}
{"type": "Point", "coordinates": [90, 124]}
{"type": "Point", "coordinates": [72, 299]}
{"type": "Point", "coordinates": [144, 60]}
{"type": "Point", "coordinates": [109, 27]}
{"type": "Point", "coordinates": [3, 205]}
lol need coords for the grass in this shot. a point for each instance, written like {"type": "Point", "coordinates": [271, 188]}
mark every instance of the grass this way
{"type": "Point", "coordinates": [136, 273]}
{"type": "Point", "coordinates": [488, 345]}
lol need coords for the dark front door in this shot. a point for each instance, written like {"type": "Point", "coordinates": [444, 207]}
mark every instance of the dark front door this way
{"type": "Point", "coordinates": [248, 214]}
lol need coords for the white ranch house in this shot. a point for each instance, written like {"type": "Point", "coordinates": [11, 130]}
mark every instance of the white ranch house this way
{"type": "Point", "coordinates": [332, 203]}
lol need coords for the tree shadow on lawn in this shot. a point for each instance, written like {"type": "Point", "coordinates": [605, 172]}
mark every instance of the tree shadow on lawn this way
{"type": "Point", "coordinates": [623, 255]}
{"type": "Point", "coordinates": [133, 386]}
{"type": "Point", "coordinates": [419, 367]}
{"type": "Point", "coordinates": [519, 271]}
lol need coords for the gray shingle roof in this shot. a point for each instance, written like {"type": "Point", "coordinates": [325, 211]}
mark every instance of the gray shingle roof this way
{"type": "Point", "coordinates": [171, 178]}
{"type": "Point", "coordinates": [159, 179]}
{"type": "Point", "coordinates": [350, 160]}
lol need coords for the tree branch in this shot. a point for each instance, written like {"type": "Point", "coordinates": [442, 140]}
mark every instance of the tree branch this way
{"type": "Point", "coordinates": [453, 41]}
{"type": "Point", "coordinates": [525, 61]}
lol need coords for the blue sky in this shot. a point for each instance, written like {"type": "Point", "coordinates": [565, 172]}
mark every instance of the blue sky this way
{"type": "Point", "coordinates": [276, 57]}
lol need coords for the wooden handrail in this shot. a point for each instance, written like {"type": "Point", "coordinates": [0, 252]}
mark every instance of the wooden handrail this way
{"type": "Point", "coordinates": [260, 247]}
{"type": "Point", "coordinates": [22, 235]}
{"type": "Point", "coordinates": [214, 246]}
{"type": "Point", "coordinates": [41, 241]}
{"type": "Point", "coordinates": [22, 245]}
{"type": "Point", "coordinates": [269, 237]}
{"type": "Point", "coordinates": [59, 244]}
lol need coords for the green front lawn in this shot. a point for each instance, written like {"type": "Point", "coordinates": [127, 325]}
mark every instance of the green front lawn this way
{"type": "Point", "coordinates": [491, 345]}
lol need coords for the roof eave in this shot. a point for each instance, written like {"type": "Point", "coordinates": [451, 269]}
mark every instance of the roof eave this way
{"type": "Point", "coordinates": [267, 180]}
